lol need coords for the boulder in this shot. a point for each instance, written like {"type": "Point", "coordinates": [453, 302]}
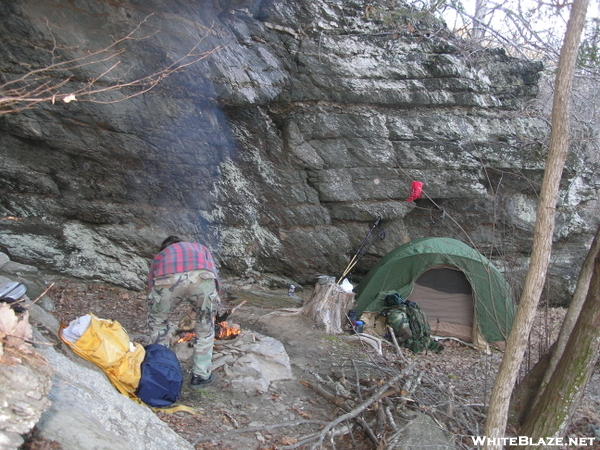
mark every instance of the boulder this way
{"type": "Point", "coordinates": [252, 361]}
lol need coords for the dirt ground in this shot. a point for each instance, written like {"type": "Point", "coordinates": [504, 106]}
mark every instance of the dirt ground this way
{"type": "Point", "coordinates": [452, 387]}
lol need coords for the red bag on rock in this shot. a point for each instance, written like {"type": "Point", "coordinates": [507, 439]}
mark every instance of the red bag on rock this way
{"type": "Point", "coordinates": [415, 191]}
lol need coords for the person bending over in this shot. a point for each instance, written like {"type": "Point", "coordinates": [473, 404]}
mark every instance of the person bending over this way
{"type": "Point", "coordinates": [185, 272]}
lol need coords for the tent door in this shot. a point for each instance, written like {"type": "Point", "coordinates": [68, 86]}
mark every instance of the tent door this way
{"type": "Point", "coordinates": [445, 296]}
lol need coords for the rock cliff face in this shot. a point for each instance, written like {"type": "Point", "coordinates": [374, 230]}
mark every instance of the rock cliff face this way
{"type": "Point", "coordinates": [280, 148]}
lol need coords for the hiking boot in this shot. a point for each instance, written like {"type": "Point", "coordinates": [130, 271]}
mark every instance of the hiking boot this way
{"type": "Point", "coordinates": [197, 382]}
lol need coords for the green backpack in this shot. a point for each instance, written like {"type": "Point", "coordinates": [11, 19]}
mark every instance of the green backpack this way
{"type": "Point", "coordinates": [410, 324]}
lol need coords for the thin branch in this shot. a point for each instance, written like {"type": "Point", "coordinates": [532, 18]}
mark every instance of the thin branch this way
{"type": "Point", "coordinates": [359, 409]}
{"type": "Point", "coordinates": [36, 86]}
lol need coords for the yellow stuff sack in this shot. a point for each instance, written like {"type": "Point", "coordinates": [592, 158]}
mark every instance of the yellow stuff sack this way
{"type": "Point", "coordinates": [107, 344]}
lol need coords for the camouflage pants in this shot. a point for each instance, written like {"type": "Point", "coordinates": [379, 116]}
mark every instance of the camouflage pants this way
{"type": "Point", "coordinates": [197, 288]}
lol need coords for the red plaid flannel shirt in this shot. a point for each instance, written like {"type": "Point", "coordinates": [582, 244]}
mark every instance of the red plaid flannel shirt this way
{"type": "Point", "coordinates": [181, 257]}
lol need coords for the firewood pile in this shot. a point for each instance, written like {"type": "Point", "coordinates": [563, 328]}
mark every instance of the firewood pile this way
{"type": "Point", "coordinates": [383, 409]}
{"type": "Point", "coordinates": [353, 404]}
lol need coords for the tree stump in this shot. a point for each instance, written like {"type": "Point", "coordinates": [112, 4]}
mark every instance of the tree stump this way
{"type": "Point", "coordinates": [328, 306]}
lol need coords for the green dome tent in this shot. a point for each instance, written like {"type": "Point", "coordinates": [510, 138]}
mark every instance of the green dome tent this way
{"type": "Point", "coordinates": [455, 285]}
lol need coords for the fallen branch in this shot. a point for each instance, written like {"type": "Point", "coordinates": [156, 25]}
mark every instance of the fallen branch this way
{"type": "Point", "coordinates": [43, 293]}
{"type": "Point", "coordinates": [345, 406]}
{"type": "Point", "coordinates": [337, 401]}
{"type": "Point", "coordinates": [282, 312]}
{"type": "Point", "coordinates": [357, 381]}
{"type": "Point", "coordinates": [392, 333]}
{"type": "Point", "coordinates": [238, 306]}
{"type": "Point", "coordinates": [389, 415]}
{"type": "Point", "coordinates": [368, 339]}
{"type": "Point", "coordinates": [380, 393]}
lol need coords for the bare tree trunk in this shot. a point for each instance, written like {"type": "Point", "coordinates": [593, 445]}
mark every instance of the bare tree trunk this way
{"type": "Point", "coordinates": [478, 17]}
{"type": "Point", "coordinates": [328, 306]}
{"type": "Point", "coordinates": [544, 229]}
{"type": "Point", "coordinates": [579, 297]}
{"type": "Point", "coordinates": [533, 385]}
{"type": "Point", "coordinates": [554, 409]}
{"type": "Point", "coordinates": [526, 392]}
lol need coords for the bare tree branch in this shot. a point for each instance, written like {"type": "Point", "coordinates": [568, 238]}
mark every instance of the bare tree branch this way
{"type": "Point", "coordinates": [44, 84]}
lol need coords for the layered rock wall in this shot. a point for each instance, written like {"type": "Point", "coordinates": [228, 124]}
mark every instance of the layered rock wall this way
{"type": "Point", "coordinates": [279, 149]}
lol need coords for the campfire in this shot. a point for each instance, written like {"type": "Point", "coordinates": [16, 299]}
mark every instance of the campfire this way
{"type": "Point", "coordinates": [186, 337]}
{"type": "Point", "coordinates": [224, 331]}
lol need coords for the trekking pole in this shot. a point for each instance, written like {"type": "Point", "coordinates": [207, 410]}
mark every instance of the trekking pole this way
{"type": "Point", "coordinates": [360, 253]}
{"type": "Point", "coordinates": [364, 241]}
{"type": "Point", "coordinates": [380, 236]}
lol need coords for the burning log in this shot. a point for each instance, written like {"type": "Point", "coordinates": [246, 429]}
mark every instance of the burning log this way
{"type": "Point", "coordinates": [186, 337]}
{"type": "Point", "coordinates": [226, 314]}
{"type": "Point", "coordinates": [224, 331]}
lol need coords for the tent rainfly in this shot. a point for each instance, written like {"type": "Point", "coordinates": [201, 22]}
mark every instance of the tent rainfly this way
{"type": "Point", "coordinates": [462, 294]}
